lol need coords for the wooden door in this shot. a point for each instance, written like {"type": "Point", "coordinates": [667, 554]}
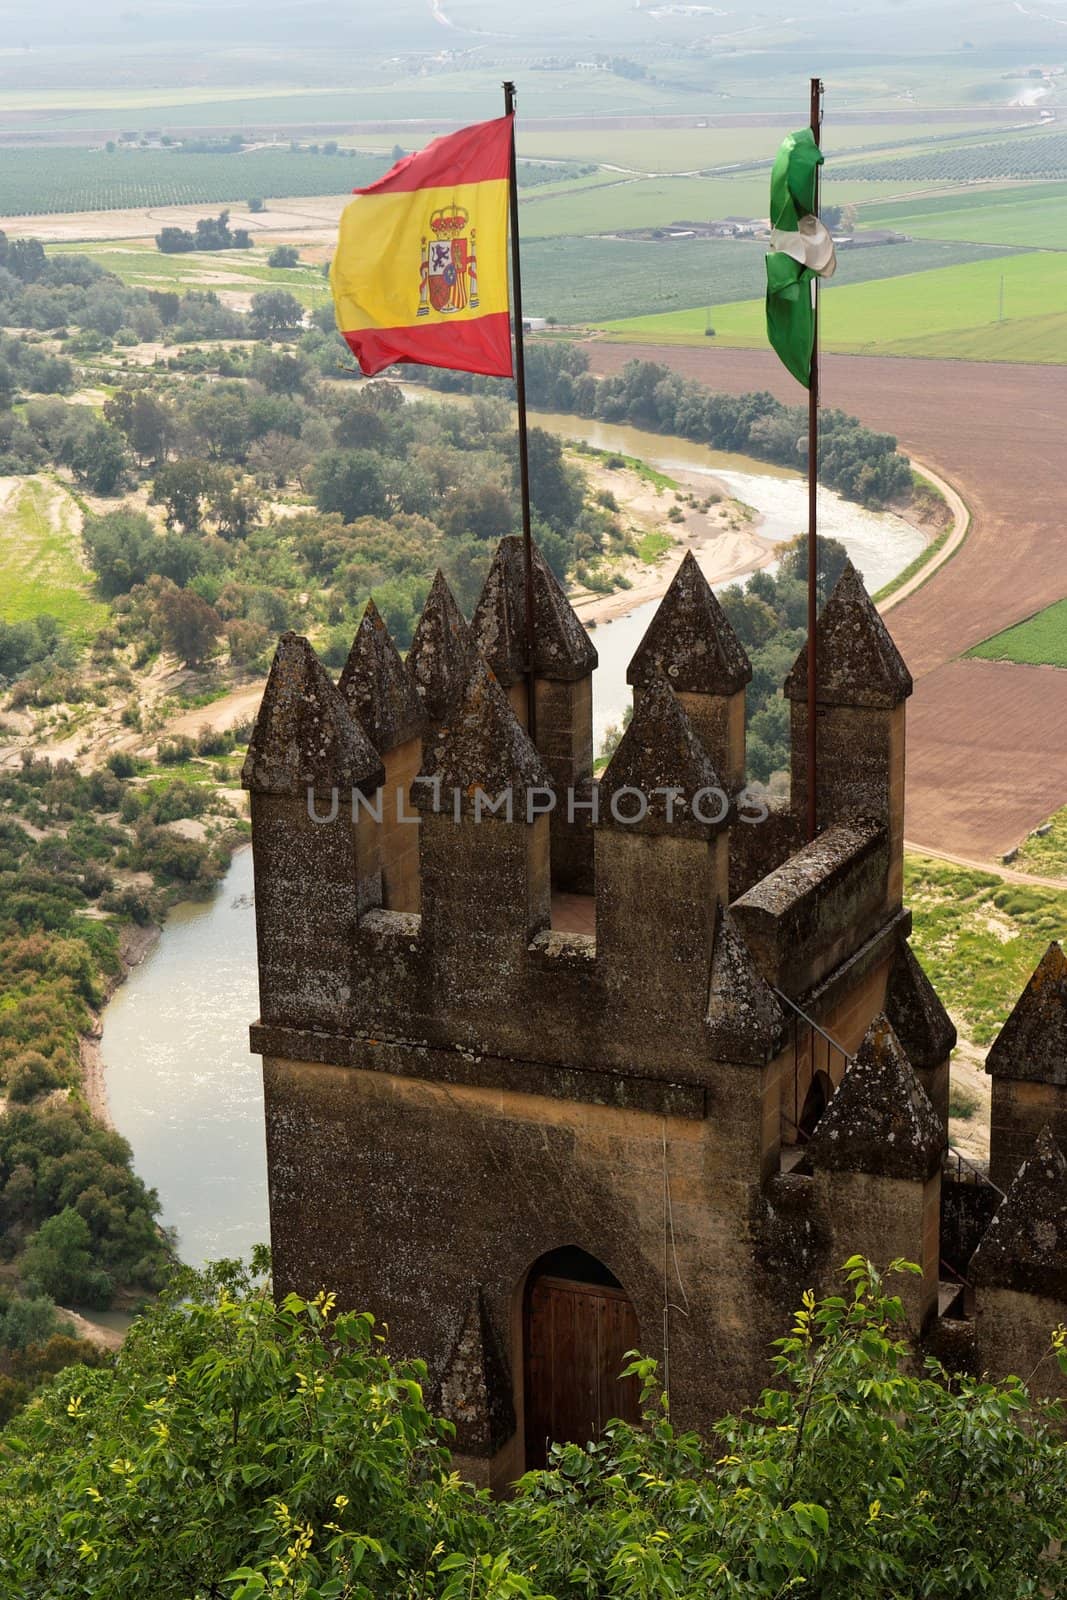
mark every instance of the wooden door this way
{"type": "Point", "coordinates": [576, 1339]}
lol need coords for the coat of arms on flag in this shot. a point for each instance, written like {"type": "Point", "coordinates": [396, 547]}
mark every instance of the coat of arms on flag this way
{"type": "Point", "coordinates": [421, 268]}
{"type": "Point", "coordinates": [448, 279]}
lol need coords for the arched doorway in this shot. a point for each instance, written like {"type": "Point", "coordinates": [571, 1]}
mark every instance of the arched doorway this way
{"type": "Point", "coordinates": [578, 1324]}
{"type": "Point", "coordinates": [818, 1097]}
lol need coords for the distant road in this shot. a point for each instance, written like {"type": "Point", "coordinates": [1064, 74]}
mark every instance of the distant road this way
{"type": "Point", "coordinates": [16, 127]}
{"type": "Point", "coordinates": [987, 757]}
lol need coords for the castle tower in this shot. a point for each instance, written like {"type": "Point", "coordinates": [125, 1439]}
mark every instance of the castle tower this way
{"type": "Point", "coordinates": [563, 663]}
{"type": "Point", "coordinates": [493, 1133]}
{"type": "Point", "coordinates": [1020, 1272]}
{"type": "Point", "coordinates": [1028, 1065]}
{"type": "Point", "coordinates": [923, 1026]}
{"type": "Point", "coordinates": [306, 759]}
{"type": "Point", "coordinates": [692, 646]}
{"type": "Point", "coordinates": [862, 686]}
{"type": "Point", "coordinates": [877, 1152]}
{"type": "Point", "coordinates": [382, 698]}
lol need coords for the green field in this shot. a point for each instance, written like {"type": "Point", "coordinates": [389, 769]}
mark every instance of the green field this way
{"type": "Point", "coordinates": [41, 182]}
{"type": "Point", "coordinates": [949, 312]}
{"type": "Point", "coordinates": [1025, 214]}
{"type": "Point", "coordinates": [617, 202]}
{"type": "Point", "coordinates": [582, 280]}
{"type": "Point", "coordinates": [40, 557]}
{"type": "Point", "coordinates": [1040, 641]}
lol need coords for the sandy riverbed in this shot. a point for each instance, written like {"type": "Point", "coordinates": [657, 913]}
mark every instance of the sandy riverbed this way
{"type": "Point", "coordinates": [725, 538]}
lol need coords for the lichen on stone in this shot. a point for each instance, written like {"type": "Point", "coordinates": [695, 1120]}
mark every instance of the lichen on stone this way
{"type": "Point", "coordinates": [378, 688]}
{"type": "Point", "coordinates": [856, 661]}
{"type": "Point", "coordinates": [690, 641]}
{"type": "Point", "coordinates": [562, 648]}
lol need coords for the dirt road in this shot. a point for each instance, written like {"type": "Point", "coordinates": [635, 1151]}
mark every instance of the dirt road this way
{"type": "Point", "coordinates": [985, 759]}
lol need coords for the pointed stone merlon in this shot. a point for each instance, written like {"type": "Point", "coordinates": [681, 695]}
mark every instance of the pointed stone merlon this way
{"type": "Point", "coordinates": [441, 658]}
{"type": "Point", "coordinates": [381, 695]}
{"type": "Point", "coordinates": [746, 1031]}
{"type": "Point", "coordinates": [563, 662]}
{"type": "Point", "coordinates": [922, 1025]}
{"type": "Point", "coordinates": [483, 843]}
{"type": "Point", "coordinates": [877, 1153]}
{"type": "Point", "coordinates": [316, 870]}
{"type": "Point", "coordinates": [661, 864]}
{"type": "Point", "coordinates": [862, 686]}
{"type": "Point", "coordinates": [1020, 1272]}
{"type": "Point", "coordinates": [475, 1394]}
{"type": "Point", "coordinates": [1028, 1065]}
{"type": "Point", "coordinates": [691, 644]}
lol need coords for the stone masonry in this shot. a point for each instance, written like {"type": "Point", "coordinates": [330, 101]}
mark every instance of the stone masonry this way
{"type": "Point", "coordinates": [736, 1081]}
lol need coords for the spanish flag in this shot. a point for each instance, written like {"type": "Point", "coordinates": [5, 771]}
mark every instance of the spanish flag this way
{"type": "Point", "coordinates": [420, 272]}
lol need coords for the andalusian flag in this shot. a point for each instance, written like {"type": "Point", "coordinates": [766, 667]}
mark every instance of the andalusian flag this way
{"type": "Point", "coordinates": [803, 251]}
{"type": "Point", "coordinates": [421, 269]}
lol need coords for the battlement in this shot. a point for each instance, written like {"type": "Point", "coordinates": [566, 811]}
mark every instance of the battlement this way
{"type": "Point", "coordinates": [448, 849]}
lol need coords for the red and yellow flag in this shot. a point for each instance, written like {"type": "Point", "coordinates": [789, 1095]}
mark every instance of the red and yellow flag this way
{"type": "Point", "coordinates": [420, 272]}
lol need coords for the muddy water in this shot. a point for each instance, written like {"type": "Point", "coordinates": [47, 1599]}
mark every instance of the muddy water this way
{"type": "Point", "coordinates": [181, 1084]}
{"type": "Point", "coordinates": [880, 544]}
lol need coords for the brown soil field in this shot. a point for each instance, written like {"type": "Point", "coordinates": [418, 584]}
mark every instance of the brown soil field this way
{"type": "Point", "coordinates": [986, 760]}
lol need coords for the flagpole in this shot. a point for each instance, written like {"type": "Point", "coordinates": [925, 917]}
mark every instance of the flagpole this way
{"type": "Point", "coordinates": [524, 453]}
{"type": "Point", "coordinates": [813, 482]}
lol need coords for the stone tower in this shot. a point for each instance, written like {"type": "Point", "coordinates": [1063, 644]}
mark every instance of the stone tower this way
{"type": "Point", "coordinates": [540, 1086]}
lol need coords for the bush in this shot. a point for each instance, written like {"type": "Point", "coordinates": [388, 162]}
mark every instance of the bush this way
{"type": "Point", "coordinates": [247, 1447]}
{"type": "Point", "coordinates": [176, 750]}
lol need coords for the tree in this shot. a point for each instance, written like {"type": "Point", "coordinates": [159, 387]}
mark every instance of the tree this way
{"type": "Point", "coordinates": [175, 241]}
{"type": "Point", "coordinates": [284, 255]}
{"type": "Point", "coordinates": [350, 482]}
{"type": "Point", "coordinates": [256, 205]}
{"type": "Point", "coordinates": [188, 624]}
{"type": "Point", "coordinates": [99, 459]}
{"type": "Point", "coordinates": [273, 313]}
{"type": "Point", "coordinates": [248, 1448]}
{"type": "Point", "coordinates": [58, 1261]}
{"type": "Point", "coordinates": [483, 509]}
{"type": "Point", "coordinates": [181, 488]}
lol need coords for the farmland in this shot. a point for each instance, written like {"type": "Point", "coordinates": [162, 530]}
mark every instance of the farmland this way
{"type": "Point", "coordinates": [38, 182]}
{"type": "Point", "coordinates": [1039, 641]}
{"type": "Point", "coordinates": [621, 203]}
{"type": "Point", "coordinates": [232, 272]}
{"type": "Point", "coordinates": [1033, 214]}
{"type": "Point", "coordinates": [580, 280]}
{"type": "Point", "coordinates": [1039, 157]}
{"type": "Point", "coordinates": [951, 312]}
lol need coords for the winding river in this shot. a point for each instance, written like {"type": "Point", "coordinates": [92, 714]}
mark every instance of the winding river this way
{"type": "Point", "coordinates": [182, 1086]}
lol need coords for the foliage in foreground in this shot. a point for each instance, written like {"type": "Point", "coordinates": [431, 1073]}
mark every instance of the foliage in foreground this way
{"type": "Point", "coordinates": [243, 1448]}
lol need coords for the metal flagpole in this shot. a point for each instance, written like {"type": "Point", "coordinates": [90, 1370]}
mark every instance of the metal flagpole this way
{"type": "Point", "coordinates": [813, 481]}
{"type": "Point", "coordinates": [524, 454]}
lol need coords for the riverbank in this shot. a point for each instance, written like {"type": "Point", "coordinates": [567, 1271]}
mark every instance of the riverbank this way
{"type": "Point", "coordinates": [135, 945]}
{"type": "Point", "coordinates": [691, 511]}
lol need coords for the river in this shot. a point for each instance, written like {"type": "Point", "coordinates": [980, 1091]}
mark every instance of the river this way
{"type": "Point", "coordinates": [879, 544]}
{"type": "Point", "coordinates": [181, 1084]}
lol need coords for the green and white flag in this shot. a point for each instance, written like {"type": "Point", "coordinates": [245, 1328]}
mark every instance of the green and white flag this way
{"type": "Point", "coordinates": [802, 251]}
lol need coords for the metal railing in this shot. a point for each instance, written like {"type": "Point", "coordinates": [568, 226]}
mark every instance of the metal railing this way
{"type": "Point", "coordinates": [831, 1049]}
